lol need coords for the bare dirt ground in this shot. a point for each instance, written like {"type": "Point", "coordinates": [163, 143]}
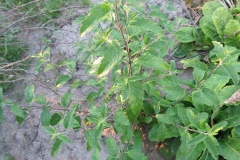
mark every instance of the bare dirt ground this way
{"type": "Point", "coordinates": [29, 141]}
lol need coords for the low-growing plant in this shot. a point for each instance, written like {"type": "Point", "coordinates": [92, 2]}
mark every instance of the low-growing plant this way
{"type": "Point", "coordinates": [10, 51]}
{"type": "Point", "coordinates": [220, 22]}
{"type": "Point", "coordinates": [193, 118]}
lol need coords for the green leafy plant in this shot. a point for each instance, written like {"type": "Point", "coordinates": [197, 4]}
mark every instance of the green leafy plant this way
{"type": "Point", "coordinates": [219, 23]}
{"type": "Point", "coordinates": [192, 119]}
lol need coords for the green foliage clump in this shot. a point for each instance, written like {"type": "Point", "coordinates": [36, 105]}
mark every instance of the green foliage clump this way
{"type": "Point", "coordinates": [192, 118]}
{"type": "Point", "coordinates": [219, 23]}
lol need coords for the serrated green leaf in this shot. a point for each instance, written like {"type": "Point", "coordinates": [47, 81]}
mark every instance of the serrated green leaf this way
{"type": "Point", "coordinates": [96, 155]}
{"type": "Point", "coordinates": [148, 119]}
{"type": "Point", "coordinates": [66, 99]}
{"type": "Point", "coordinates": [232, 34]}
{"type": "Point", "coordinates": [185, 35]}
{"type": "Point", "coordinates": [209, 143]}
{"type": "Point", "coordinates": [208, 28]}
{"type": "Point", "coordinates": [97, 14]}
{"type": "Point", "coordinates": [56, 117]}
{"type": "Point", "coordinates": [136, 155]}
{"type": "Point", "coordinates": [112, 147]}
{"type": "Point", "coordinates": [231, 115]}
{"type": "Point", "coordinates": [190, 153]}
{"type": "Point", "coordinates": [139, 25]}
{"type": "Point", "coordinates": [229, 148]}
{"type": "Point", "coordinates": [232, 73]}
{"type": "Point", "coordinates": [40, 99]}
{"type": "Point", "coordinates": [91, 96]}
{"type": "Point", "coordinates": [28, 93]}
{"type": "Point", "coordinates": [198, 139]}
{"type": "Point", "coordinates": [121, 118]}
{"type": "Point", "coordinates": [49, 130]}
{"type": "Point", "coordinates": [67, 120]}
{"type": "Point", "coordinates": [217, 127]}
{"type": "Point", "coordinates": [209, 7]}
{"type": "Point", "coordinates": [64, 138]}
{"type": "Point", "coordinates": [56, 147]}
{"type": "Point", "coordinates": [137, 144]}
{"type": "Point", "coordinates": [160, 131]}
{"type": "Point", "coordinates": [50, 66]}
{"type": "Point", "coordinates": [220, 18]}
{"type": "Point", "coordinates": [91, 138]}
{"type": "Point", "coordinates": [17, 110]}
{"type": "Point", "coordinates": [136, 93]}
{"type": "Point", "coordinates": [112, 56]}
{"type": "Point", "coordinates": [151, 61]}
{"type": "Point", "coordinates": [61, 80]}
{"type": "Point", "coordinates": [76, 83]}
{"type": "Point", "coordinates": [193, 119]}
{"type": "Point", "coordinates": [209, 97]}
{"type": "Point", "coordinates": [45, 117]}
{"type": "Point", "coordinates": [71, 64]}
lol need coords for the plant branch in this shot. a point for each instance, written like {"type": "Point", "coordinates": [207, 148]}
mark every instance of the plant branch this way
{"type": "Point", "coordinates": [189, 129]}
{"type": "Point", "coordinates": [124, 39]}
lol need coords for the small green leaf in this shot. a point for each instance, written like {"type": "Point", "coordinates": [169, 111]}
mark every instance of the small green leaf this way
{"type": "Point", "coordinates": [45, 117]}
{"type": "Point", "coordinates": [69, 116]}
{"type": "Point", "coordinates": [28, 93]}
{"type": "Point", "coordinates": [112, 147]}
{"type": "Point", "coordinates": [77, 83]}
{"type": "Point", "coordinates": [49, 130]}
{"type": "Point", "coordinates": [232, 73]}
{"type": "Point", "coordinates": [198, 139]}
{"type": "Point", "coordinates": [164, 118]}
{"type": "Point", "coordinates": [56, 117]}
{"type": "Point", "coordinates": [40, 99]}
{"type": "Point", "coordinates": [71, 64]}
{"type": "Point", "coordinates": [15, 108]}
{"type": "Point", "coordinates": [66, 99]}
{"type": "Point", "coordinates": [56, 147]}
{"type": "Point", "coordinates": [91, 96]}
{"type": "Point", "coordinates": [209, 143]}
{"type": "Point", "coordinates": [121, 118]}
{"type": "Point", "coordinates": [136, 154]}
{"type": "Point", "coordinates": [148, 119]}
{"type": "Point", "coordinates": [64, 138]}
{"type": "Point", "coordinates": [46, 53]}
{"type": "Point", "coordinates": [220, 126]}
{"type": "Point", "coordinates": [209, 7]}
{"type": "Point", "coordinates": [38, 64]}
{"type": "Point", "coordinates": [96, 14]}
{"type": "Point", "coordinates": [50, 66]}
{"type": "Point", "coordinates": [61, 80]}
{"type": "Point", "coordinates": [20, 120]}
